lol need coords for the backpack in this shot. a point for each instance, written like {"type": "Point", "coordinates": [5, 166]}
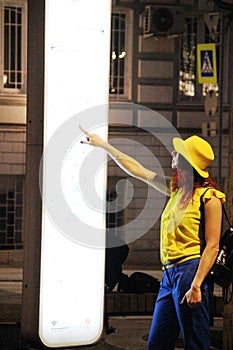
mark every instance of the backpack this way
{"type": "Point", "coordinates": [222, 270]}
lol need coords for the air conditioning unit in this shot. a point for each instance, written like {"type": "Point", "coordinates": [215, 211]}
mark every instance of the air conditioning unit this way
{"type": "Point", "coordinates": [163, 20]}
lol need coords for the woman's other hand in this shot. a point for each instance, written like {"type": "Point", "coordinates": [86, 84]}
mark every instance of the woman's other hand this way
{"type": "Point", "coordinates": [193, 297]}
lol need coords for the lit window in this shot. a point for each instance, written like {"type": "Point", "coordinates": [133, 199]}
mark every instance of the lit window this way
{"type": "Point", "coordinates": [188, 84]}
{"type": "Point", "coordinates": [120, 55]}
{"type": "Point", "coordinates": [187, 76]}
{"type": "Point", "coordinates": [212, 36]}
{"type": "Point", "coordinates": [13, 46]}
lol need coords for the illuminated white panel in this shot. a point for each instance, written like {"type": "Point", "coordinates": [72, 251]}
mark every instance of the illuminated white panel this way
{"type": "Point", "coordinates": [73, 223]}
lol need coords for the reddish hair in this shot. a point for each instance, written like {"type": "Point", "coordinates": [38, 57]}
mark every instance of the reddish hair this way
{"type": "Point", "coordinates": [183, 178]}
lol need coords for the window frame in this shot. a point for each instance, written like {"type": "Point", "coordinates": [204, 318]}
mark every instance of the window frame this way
{"type": "Point", "coordinates": [116, 217]}
{"type": "Point", "coordinates": [5, 91]}
{"type": "Point", "coordinates": [11, 212]}
{"type": "Point", "coordinates": [202, 35]}
{"type": "Point", "coordinates": [127, 95]}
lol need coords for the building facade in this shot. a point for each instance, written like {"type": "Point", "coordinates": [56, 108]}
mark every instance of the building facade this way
{"type": "Point", "coordinates": [154, 93]}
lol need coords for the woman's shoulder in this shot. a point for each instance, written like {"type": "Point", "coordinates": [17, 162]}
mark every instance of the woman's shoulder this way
{"type": "Point", "coordinates": [208, 192]}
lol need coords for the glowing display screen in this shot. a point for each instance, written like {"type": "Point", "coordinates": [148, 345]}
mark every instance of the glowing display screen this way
{"type": "Point", "coordinates": [73, 175]}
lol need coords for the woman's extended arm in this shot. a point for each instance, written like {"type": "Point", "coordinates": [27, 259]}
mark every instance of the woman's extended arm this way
{"type": "Point", "coordinates": [127, 163]}
{"type": "Point", "coordinates": [213, 219]}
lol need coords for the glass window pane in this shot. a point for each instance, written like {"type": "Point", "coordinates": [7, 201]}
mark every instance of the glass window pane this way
{"type": "Point", "coordinates": [12, 47]}
{"type": "Point", "coordinates": [117, 57]}
{"type": "Point", "coordinates": [11, 213]}
{"type": "Point", "coordinates": [187, 75]}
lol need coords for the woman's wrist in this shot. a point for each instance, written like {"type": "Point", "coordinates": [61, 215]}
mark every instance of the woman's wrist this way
{"type": "Point", "coordinates": [195, 286]}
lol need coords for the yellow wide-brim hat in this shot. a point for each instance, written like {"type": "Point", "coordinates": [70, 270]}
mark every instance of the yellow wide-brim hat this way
{"type": "Point", "coordinates": [196, 151]}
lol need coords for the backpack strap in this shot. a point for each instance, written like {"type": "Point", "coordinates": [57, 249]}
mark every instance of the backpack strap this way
{"type": "Point", "coordinates": [201, 197]}
{"type": "Point", "coordinates": [226, 216]}
{"type": "Point", "coordinates": [202, 220]}
{"type": "Point", "coordinates": [202, 206]}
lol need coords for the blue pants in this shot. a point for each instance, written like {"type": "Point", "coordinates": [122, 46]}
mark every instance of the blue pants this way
{"type": "Point", "coordinates": [170, 317]}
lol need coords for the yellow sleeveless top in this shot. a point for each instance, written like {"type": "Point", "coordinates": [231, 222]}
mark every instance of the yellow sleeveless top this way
{"type": "Point", "coordinates": [179, 231]}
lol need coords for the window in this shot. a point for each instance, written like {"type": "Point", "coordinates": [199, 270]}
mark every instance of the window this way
{"type": "Point", "coordinates": [213, 36]}
{"type": "Point", "coordinates": [116, 202]}
{"type": "Point", "coordinates": [11, 212]}
{"type": "Point", "coordinates": [187, 78]}
{"type": "Point", "coordinates": [114, 216]}
{"type": "Point", "coordinates": [195, 33]}
{"type": "Point", "coordinates": [13, 47]}
{"type": "Point", "coordinates": [120, 55]}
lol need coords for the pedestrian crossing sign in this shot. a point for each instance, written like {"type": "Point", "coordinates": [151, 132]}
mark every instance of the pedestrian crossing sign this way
{"type": "Point", "coordinates": [206, 64]}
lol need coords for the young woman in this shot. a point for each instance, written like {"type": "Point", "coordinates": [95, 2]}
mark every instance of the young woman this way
{"type": "Point", "coordinates": [188, 248]}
